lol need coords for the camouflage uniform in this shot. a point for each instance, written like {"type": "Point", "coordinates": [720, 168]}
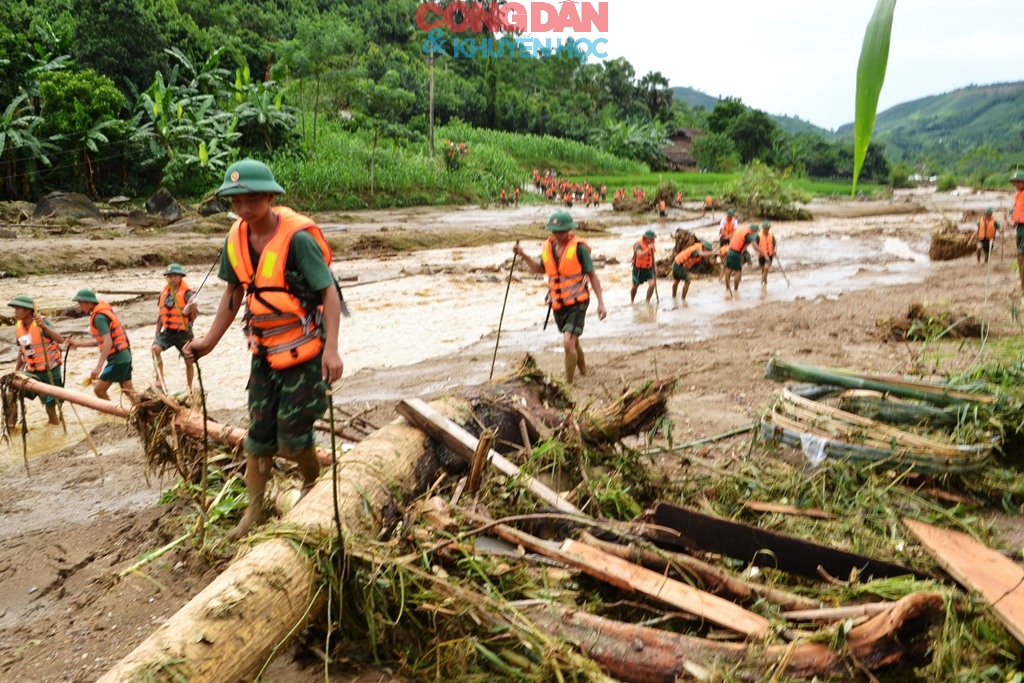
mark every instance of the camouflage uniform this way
{"type": "Point", "coordinates": [283, 405]}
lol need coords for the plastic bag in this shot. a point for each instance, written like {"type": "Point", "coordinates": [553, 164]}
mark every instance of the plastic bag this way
{"type": "Point", "coordinates": [813, 448]}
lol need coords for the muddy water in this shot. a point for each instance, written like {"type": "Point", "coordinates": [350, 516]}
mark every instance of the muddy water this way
{"type": "Point", "coordinates": [405, 314]}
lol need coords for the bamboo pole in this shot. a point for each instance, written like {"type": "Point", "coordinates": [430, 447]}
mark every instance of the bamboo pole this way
{"type": "Point", "coordinates": [233, 626]}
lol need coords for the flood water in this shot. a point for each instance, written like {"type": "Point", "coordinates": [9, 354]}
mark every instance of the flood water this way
{"type": "Point", "coordinates": [406, 315]}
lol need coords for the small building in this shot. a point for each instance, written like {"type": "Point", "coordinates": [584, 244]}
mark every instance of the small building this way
{"type": "Point", "coordinates": [678, 150]}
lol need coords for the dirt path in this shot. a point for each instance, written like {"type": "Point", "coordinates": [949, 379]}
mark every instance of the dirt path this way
{"type": "Point", "coordinates": [67, 531]}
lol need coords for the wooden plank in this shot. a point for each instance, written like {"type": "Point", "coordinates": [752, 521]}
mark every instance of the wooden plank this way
{"type": "Point", "coordinates": [628, 576]}
{"type": "Point", "coordinates": [464, 444]}
{"type": "Point", "coordinates": [979, 568]}
{"type": "Point", "coordinates": [761, 506]}
{"type": "Point", "coordinates": [698, 531]}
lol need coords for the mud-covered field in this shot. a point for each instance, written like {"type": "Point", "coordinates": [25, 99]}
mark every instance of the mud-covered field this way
{"type": "Point", "coordinates": [422, 323]}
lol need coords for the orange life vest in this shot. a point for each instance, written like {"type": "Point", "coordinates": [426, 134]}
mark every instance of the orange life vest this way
{"type": "Point", "coordinates": [117, 333]}
{"type": "Point", "coordinates": [640, 259]}
{"type": "Point", "coordinates": [172, 307]}
{"type": "Point", "coordinates": [708, 201]}
{"type": "Point", "coordinates": [1017, 217]}
{"type": "Point", "coordinates": [987, 227]}
{"type": "Point", "coordinates": [768, 243]}
{"type": "Point", "coordinates": [690, 256]}
{"type": "Point", "coordinates": [728, 227]}
{"type": "Point", "coordinates": [661, 205]}
{"type": "Point", "coordinates": [503, 195]}
{"type": "Point", "coordinates": [277, 324]}
{"type": "Point", "coordinates": [39, 351]}
{"type": "Point", "coordinates": [567, 283]}
{"type": "Point", "coordinates": [738, 243]}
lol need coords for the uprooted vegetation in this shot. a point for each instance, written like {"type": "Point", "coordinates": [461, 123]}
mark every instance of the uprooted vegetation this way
{"type": "Point", "coordinates": [457, 581]}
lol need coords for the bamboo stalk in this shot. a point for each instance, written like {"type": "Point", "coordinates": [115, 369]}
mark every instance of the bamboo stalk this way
{"type": "Point", "coordinates": [780, 370]}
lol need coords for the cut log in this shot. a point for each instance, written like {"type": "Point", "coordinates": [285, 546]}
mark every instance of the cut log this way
{"type": "Point", "coordinates": [464, 445]}
{"type": "Point", "coordinates": [978, 568]}
{"type": "Point", "coordinates": [698, 531]}
{"type": "Point", "coordinates": [838, 613]}
{"type": "Point", "coordinates": [233, 626]}
{"type": "Point", "coordinates": [715, 580]}
{"type": "Point", "coordinates": [629, 576]}
{"type": "Point", "coordinates": [645, 655]}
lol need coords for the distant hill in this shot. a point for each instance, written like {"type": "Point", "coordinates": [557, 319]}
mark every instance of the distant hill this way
{"type": "Point", "coordinates": [790, 124]}
{"type": "Point", "coordinates": [945, 127]}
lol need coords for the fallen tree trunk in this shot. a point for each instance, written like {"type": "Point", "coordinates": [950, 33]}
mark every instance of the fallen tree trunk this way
{"type": "Point", "coordinates": [645, 655]}
{"type": "Point", "coordinates": [230, 629]}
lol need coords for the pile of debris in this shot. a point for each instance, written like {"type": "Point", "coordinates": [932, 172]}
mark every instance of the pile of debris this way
{"type": "Point", "coordinates": [924, 324]}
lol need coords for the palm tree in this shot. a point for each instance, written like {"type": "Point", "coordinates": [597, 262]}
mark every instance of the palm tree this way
{"type": "Point", "coordinates": [656, 93]}
{"type": "Point", "coordinates": [21, 150]}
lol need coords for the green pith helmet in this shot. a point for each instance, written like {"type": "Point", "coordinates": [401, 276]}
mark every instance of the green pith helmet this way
{"type": "Point", "coordinates": [754, 228]}
{"type": "Point", "coordinates": [86, 295]}
{"type": "Point", "coordinates": [766, 225]}
{"type": "Point", "coordinates": [22, 301]}
{"type": "Point", "coordinates": [174, 269]}
{"type": "Point", "coordinates": [706, 244]}
{"type": "Point", "coordinates": [248, 176]}
{"type": "Point", "coordinates": [1017, 177]}
{"type": "Point", "coordinates": [988, 211]}
{"type": "Point", "coordinates": [650, 234]}
{"type": "Point", "coordinates": [560, 222]}
{"type": "Point", "coordinates": [730, 212]}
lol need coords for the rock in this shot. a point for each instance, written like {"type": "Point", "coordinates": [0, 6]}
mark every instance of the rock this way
{"type": "Point", "coordinates": [213, 205]}
{"type": "Point", "coordinates": [119, 199]}
{"type": "Point", "coordinates": [67, 205]}
{"type": "Point", "coordinates": [6, 234]}
{"type": "Point", "coordinates": [141, 219]}
{"type": "Point", "coordinates": [164, 204]}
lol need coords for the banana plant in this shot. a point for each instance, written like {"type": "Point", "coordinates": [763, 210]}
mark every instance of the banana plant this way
{"type": "Point", "coordinates": [22, 151]}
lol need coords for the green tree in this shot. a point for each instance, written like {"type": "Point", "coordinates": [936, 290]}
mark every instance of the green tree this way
{"type": "Point", "coordinates": [116, 39]}
{"type": "Point", "coordinates": [725, 113]}
{"type": "Point", "coordinates": [80, 111]}
{"type": "Point", "coordinates": [657, 95]}
{"type": "Point", "coordinates": [753, 133]}
{"type": "Point", "coordinates": [715, 152]}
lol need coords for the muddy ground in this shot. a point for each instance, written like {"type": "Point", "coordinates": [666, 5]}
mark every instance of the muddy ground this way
{"type": "Point", "coordinates": [424, 323]}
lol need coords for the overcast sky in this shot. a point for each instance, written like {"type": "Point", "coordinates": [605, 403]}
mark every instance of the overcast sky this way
{"type": "Point", "coordinates": [799, 57]}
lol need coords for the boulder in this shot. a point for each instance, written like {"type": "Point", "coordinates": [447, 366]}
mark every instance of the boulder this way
{"type": "Point", "coordinates": [164, 204]}
{"type": "Point", "coordinates": [119, 199]}
{"type": "Point", "coordinates": [67, 205]}
{"type": "Point", "coordinates": [141, 219]}
{"type": "Point", "coordinates": [213, 205]}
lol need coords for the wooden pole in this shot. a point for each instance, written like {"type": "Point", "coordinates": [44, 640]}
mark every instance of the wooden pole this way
{"type": "Point", "coordinates": [464, 444]}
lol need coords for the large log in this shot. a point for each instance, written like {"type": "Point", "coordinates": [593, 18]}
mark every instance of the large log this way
{"type": "Point", "coordinates": [229, 630]}
{"type": "Point", "coordinates": [645, 655]}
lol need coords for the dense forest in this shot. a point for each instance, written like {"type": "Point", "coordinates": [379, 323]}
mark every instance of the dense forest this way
{"type": "Point", "coordinates": [119, 96]}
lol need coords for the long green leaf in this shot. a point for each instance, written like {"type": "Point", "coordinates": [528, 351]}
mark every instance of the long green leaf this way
{"type": "Point", "coordinates": [874, 56]}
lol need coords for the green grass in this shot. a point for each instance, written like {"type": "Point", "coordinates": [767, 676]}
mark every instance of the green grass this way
{"type": "Point", "coordinates": [336, 173]}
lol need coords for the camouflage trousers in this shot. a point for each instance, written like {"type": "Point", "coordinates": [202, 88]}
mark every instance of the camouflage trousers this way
{"type": "Point", "coordinates": [283, 405]}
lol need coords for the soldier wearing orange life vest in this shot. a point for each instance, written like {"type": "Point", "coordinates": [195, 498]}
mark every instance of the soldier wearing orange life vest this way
{"type": "Point", "coordinates": [569, 267]}
{"type": "Point", "coordinates": [743, 237]}
{"type": "Point", "coordinates": [174, 325]}
{"type": "Point", "coordinates": [727, 227]}
{"type": "Point", "coordinates": [769, 248]}
{"type": "Point", "coordinates": [685, 261]}
{"type": "Point", "coordinates": [643, 265]}
{"type": "Point", "coordinates": [114, 364]}
{"type": "Point", "coordinates": [1016, 219]}
{"type": "Point", "coordinates": [279, 262]}
{"type": "Point", "coordinates": [504, 198]}
{"type": "Point", "coordinates": [709, 205]}
{"type": "Point", "coordinates": [39, 355]}
{"type": "Point", "coordinates": [986, 234]}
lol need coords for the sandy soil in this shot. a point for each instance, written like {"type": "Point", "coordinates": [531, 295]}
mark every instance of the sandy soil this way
{"type": "Point", "coordinates": [68, 529]}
